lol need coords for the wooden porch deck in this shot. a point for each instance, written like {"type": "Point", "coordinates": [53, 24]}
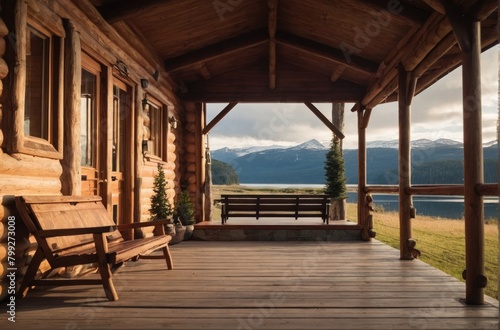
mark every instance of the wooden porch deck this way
{"type": "Point", "coordinates": [264, 285]}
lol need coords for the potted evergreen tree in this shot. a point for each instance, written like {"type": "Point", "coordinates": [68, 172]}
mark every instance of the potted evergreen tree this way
{"type": "Point", "coordinates": [161, 209]}
{"type": "Point", "coordinates": [335, 181]}
{"type": "Point", "coordinates": [184, 213]}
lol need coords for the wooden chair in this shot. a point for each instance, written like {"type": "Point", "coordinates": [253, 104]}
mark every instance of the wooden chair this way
{"type": "Point", "coordinates": [76, 230]}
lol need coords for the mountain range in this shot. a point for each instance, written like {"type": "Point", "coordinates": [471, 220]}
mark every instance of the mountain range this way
{"type": "Point", "coordinates": [433, 162]}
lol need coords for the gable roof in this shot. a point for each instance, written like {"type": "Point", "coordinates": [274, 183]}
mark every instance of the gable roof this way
{"type": "Point", "coordinates": [297, 50]}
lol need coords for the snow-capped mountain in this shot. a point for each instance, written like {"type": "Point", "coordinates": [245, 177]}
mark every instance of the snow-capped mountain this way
{"type": "Point", "coordinates": [416, 144]}
{"type": "Point", "coordinates": [489, 144]}
{"type": "Point", "coordinates": [304, 163]}
{"type": "Point", "coordinates": [310, 145]}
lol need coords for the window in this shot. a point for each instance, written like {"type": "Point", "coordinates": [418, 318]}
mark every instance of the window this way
{"type": "Point", "coordinates": [121, 109]}
{"type": "Point", "coordinates": [155, 125]}
{"type": "Point", "coordinates": [38, 85]}
{"type": "Point", "coordinates": [88, 116]}
{"type": "Point", "coordinates": [37, 103]}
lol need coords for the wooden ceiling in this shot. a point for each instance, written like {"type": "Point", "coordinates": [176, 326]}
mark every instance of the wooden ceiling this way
{"type": "Point", "coordinates": [296, 50]}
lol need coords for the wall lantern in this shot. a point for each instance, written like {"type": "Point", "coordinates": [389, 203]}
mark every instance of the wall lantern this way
{"type": "Point", "coordinates": [173, 122]}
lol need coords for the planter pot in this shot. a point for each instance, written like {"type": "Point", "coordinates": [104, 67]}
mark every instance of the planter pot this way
{"type": "Point", "coordinates": [178, 236]}
{"type": "Point", "coordinates": [337, 209]}
{"type": "Point", "coordinates": [189, 232]}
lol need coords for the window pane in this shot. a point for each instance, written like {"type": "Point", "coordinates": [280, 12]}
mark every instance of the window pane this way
{"type": "Point", "coordinates": [88, 117]}
{"type": "Point", "coordinates": [155, 115]}
{"type": "Point", "coordinates": [121, 109]}
{"type": "Point", "coordinates": [37, 84]}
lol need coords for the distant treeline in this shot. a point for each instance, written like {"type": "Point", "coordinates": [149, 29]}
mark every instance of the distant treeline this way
{"type": "Point", "coordinates": [432, 172]}
{"type": "Point", "coordinates": [441, 172]}
{"type": "Point", "coordinates": [223, 173]}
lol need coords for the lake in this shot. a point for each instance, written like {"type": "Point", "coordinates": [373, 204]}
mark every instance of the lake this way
{"type": "Point", "coordinates": [451, 207]}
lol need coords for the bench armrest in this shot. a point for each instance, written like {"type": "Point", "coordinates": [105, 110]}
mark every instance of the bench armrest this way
{"type": "Point", "coordinates": [136, 225]}
{"type": "Point", "coordinates": [75, 231]}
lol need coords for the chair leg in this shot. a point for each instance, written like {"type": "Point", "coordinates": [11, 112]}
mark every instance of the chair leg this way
{"type": "Point", "coordinates": [168, 257]}
{"type": "Point", "coordinates": [30, 273]}
{"type": "Point", "coordinates": [101, 247]}
{"type": "Point", "coordinates": [107, 282]}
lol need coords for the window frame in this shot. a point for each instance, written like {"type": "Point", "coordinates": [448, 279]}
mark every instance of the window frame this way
{"type": "Point", "coordinates": [18, 141]}
{"type": "Point", "coordinates": [162, 134]}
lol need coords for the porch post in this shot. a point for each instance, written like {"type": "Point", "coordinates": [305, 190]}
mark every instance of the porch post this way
{"type": "Point", "coordinates": [473, 167]}
{"type": "Point", "coordinates": [406, 91]}
{"type": "Point", "coordinates": [71, 162]}
{"type": "Point", "coordinates": [362, 174]}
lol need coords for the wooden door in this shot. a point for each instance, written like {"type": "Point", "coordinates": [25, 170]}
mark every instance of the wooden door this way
{"type": "Point", "coordinates": [89, 122]}
{"type": "Point", "coordinates": [121, 150]}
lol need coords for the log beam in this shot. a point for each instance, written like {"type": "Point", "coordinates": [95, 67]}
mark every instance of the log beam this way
{"type": "Point", "coordinates": [337, 73]}
{"type": "Point", "coordinates": [331, 54]}
{"type": "Point", "coordinates": [409, 14]}
{"type": "Point", "coordinates": [436, 5]}
{"type": "Point", "coordinates": [212, 52]}
{"type": "Point", "coordinates": [203, 71]}
{"type": "Point", "coordinates": [406, 88]}
{"type": "Point", "coordinates": [325, 120]}
{"type": "Point", "coordinates": [128, 8]}
{"type": "Point", "coordinates": [272, 6]}
{"type": "Point", "coordinates": [219, 117]}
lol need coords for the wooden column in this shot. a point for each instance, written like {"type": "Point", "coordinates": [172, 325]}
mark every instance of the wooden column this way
{"type": "Point", "coordinates": [473, 167]}
{"type": "Point", "coordinates": [338, 119]}
{"type": "Point", "coordinates": [362, 124]}
{"type": "Point", "coordinates": [71, 162]}
{"type": "Point", "coordinates": [338, 205]}
{"type": "Point", "coordinates": [200, 166]}
{"type": "Point", "coordinates": [405, 95]}
{"type": "Point", "coordinates": [467, 30]}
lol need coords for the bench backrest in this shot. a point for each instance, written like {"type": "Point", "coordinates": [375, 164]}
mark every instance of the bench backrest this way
{"type": "Point", "coordinates": [63, 212]}
{"type": "Point", "coordinates": [276, 199]}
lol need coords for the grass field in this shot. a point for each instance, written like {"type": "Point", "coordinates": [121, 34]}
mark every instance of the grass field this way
{"type": "Point", "coordinates": [441, 241]}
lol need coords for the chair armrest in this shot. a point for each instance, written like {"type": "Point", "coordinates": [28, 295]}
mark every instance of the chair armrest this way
{"type": "Point", "coordinates": [75, 231]}
{"type": "Point", "coordinates": [136, 225]}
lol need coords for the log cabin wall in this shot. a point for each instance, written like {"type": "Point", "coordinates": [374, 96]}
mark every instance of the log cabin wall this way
{"type": "Point", "coordinates": [194, 156]}
{"type": "Point", "coordinates": [147, 164]}
{"type": "Point", "coordinates": [3, 211]}
{"type": "Point", "coordinates": [28, 166]}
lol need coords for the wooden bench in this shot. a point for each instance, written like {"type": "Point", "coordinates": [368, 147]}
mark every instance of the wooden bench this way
{"type": "Point", "coordinates": [77, 231]}
{"type": "Point", "coordinates": [286, 205]}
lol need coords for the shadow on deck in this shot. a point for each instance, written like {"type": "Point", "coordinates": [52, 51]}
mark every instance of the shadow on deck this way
{"type": "Point", "coordinates": [265, 285]}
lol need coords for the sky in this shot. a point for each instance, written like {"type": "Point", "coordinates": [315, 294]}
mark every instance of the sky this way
{"type": "Point", "coordinates": [436, 113]}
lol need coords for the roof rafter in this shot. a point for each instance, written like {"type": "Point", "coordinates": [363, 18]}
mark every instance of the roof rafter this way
{"type": "Point", "coordinates": [214, 51]}
{"type": "Point", "coordinates": [272, 6]}
{"type": "Point", "coordinates": [326, 52]}
{"type": "Point", "coordinates": [408, 13]}
{"type": "Point", "coordinates": [128, 8]}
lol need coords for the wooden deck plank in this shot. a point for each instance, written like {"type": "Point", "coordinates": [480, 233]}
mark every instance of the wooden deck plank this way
{"type": "Point", "coordinates": [266, 285]}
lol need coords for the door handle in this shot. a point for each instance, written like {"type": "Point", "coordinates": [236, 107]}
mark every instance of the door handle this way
{"type": "Point", "coordinates": [114, 178]}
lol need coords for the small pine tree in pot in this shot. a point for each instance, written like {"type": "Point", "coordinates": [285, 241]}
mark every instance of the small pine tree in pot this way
{"type": "Point", "coordinates": [184, 213]}
{"type": "Point", "coordinates": [335, 181]}
{"type": "Point", "coordinates": [160, 205]}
